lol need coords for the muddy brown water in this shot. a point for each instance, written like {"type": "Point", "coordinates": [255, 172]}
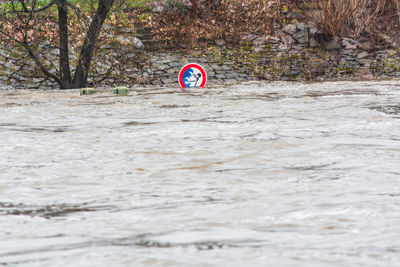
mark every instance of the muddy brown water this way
{"type": "Point", "coordinates": [279, 174]}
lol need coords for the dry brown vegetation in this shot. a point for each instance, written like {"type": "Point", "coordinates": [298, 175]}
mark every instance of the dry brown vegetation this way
{"type": "Point", "coordinates": [210, 20]}
{"type": "Point", "coordinates": [203, 20]}
{"type": "Point", "coordinates": [358, 19]}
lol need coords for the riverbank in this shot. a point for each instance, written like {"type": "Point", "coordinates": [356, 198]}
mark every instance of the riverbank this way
{"type": "Point", "coordinates": [261, 58]}
{"type": "Point", "coordinates": [296, 51]}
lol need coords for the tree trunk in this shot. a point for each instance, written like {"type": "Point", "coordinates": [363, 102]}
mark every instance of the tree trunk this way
{"type": "Point", "coordinates": [85, 57]}
{"type": "Point", "coordinates": [65, 74]}
{"type": "Point", "coordinates": [398, 10]}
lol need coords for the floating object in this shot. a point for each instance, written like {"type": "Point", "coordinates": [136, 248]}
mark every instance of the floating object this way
{"type": "Point", "coordinates": [121, 90]}
{"type": "Point", "coordinates": [192, 75]}
{"type": "Point", "coordinates": [88, 91]}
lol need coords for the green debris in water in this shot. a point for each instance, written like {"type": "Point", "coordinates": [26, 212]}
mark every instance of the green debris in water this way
{"type": "Point", "coordinates": [88, 91]}
{"type": "Point", "coordinates": [121, 90]}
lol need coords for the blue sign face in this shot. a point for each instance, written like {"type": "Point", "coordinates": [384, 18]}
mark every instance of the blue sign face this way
{"type": "Point", "coordinates": [192, 77]}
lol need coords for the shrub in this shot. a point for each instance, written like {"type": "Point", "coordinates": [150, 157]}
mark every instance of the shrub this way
{"type": "Point", "coordinates": [359, 19]}
{"type": "Point", "coordinates": [210, 20]}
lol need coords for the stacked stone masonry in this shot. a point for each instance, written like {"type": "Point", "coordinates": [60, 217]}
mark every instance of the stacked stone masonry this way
{"type": "Point", "coordinates": [297, 53]}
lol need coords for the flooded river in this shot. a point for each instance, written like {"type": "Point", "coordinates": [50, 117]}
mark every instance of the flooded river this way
{"type": "Point", "coordinates": [255, 174]}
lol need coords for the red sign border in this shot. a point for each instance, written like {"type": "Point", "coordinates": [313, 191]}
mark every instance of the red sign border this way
{"type": "Point", "coordinates": [188, 66]}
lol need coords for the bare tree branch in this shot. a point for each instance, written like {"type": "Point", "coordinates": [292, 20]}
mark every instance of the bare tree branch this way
{"type": "Point", "coordinates": [78, 13]}
{"type": "Point", "coordinates": [41, 66]}
{"type": "Point", "coordinates": [105, 75]}
{"type": "Point", "coordinates": [26, 10]}
{"type": "Point", "coordinates": [10, 37]}
{"type": "Point", "coordinates": [23, 5]}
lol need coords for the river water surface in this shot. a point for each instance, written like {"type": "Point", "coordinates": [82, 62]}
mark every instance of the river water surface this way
{"type": "Point", "coordinates": [255, 174]}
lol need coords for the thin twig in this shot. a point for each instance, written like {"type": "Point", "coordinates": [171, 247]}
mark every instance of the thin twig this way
{"type": "Point", "coordinates": [26, 10]}
{"type": "Point", "coordinates": [105, 75]}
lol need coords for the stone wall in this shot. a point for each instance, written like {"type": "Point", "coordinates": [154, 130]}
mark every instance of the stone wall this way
{"type": "Point", "coordinates": [297, 52]}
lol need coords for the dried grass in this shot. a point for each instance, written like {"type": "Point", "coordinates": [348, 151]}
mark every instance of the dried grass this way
{"type": "Point", "coordinates": [358, 19]}
{"type": "Point", "coordinates": [203, 20]}
{"type": "Point", "coordinates": [223, 19]}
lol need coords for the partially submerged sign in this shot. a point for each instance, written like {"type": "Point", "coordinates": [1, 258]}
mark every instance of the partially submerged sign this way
{"type": "Point", "coordinates": [192, 75]}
